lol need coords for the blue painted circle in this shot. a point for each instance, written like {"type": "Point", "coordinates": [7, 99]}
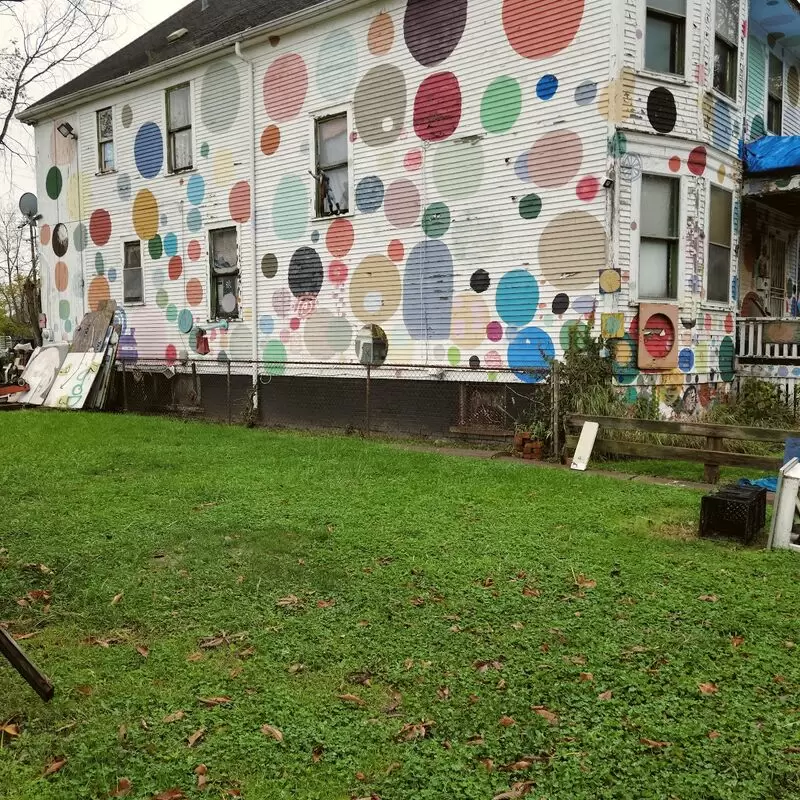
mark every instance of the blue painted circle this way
{"type": "Point", "coordinates": [196, 189]}
{"type": "Point", "coordinates": [185, 321]}
{"type": "Point", "coordinates": [369, 194]}
{"type": "Point", "coordinates": [99, 266]}
{"type": "Point", "coordinates": [194, 220]}
{"type": "Point", "coordinates": [266, 324]}
{"type": "Point", "coordinates": [521, 167]}
{"type": "Point", "coordinates": [584, 304]}
{"type": "Point", "coordinates": [517, 297]}
{"type": "Point", "coordinates": [585, 93]}
{"type": "Point", "coordinates": [171, 244]}
{"type": "Point", "coordinates": [112, 275]}
{"type": "Point", "coordinates": [546, 87]}
{"type": "Point", "coordinates": [148, 150]}
{"type": "Point", "coordinates": [686, 359]}
{"type": "Point", "coordinates": [531, 348]}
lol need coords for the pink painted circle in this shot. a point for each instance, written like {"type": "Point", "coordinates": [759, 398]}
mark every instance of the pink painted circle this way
{"type": "Point", "coordinates": [555, 158]}
{"type": "Point", "coordinates": [707, 322]}
{"type": "Point", "coordinates": [587, 188]}
{"type": "Point", "coordinates": [194, 292]}
{"type": "Point", "coordinates": [294, 323]}
{"type": "Point", "coordinates": [540, 30]}
{"type": "Point", "coordinates": [413, 160]}
{"type": "Point", "coordinates": [282, 302]}
{"type": "Point", "coordinates": [285, 86]}
{"type": "Point", "coordinates": [729, 324]}
{"type": "Point", "coordinates": [239, 202]}
{"type": "Point", "coordinates": [193, 250]}
{"type": "Point", "coordinates": [171, 354]}
{"type": "Point", "coordinates": [493, 360]}
{"type": "Point", "coordinates": [494, 331]}
{"type": "Point", "coordinates": [337, 272]}
{"type": "Point", "coordinates": [401, 203]}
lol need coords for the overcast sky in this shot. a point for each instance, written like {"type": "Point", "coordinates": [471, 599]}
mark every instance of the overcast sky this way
{"type": "Point", "coordinates": [144, 15]}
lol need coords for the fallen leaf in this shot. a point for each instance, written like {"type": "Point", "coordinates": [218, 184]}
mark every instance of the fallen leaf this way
{"type": "Point", "coordinates": [531, 591]}
{"type": "Point", "coordinates": [142, 651]}
{"type": "Point", "coordinates": [317, 752]}
{"type": "Point", "coordinates": [443, 692]}
{"type": "Point", "coordinates": [713, 734]}
{"type": "Point", "coordinates": [290, 601]}
{"type": "Point", "coordinates": [417, 601]}
{"type": "Point", "coordinates": [550, 716]}
{"type": "Point", "coordinates": [45, 570]}
{"type": "Point", "coordinates": [38, 594]}
{"type": "Point", "coordinates": [54, 766]}
{"type": "Point", "coordinates": [395, 703]}
{"type": "Point", "coordinates": [488, 763]}
{"type": "Point", "coordinates": [473, 698]}
{"type": "Point", "coordinates": [170, 794]}
{"type": "Point", "coordinates": [520, 766]}
{"type": "Point", "coordinates": [455, 629]}
{"type": "Point", "coordinates": [117, 598]}
{"type": "Point", "coordinates": [214, 701]}
{"type": "Point", "coordinates": [246, 653]}
{"type": "Point", "coordinates": [708, 688]}
{"type": "Point", "coordinates": [84, 690]}
{"type": "Point", "coordinates": [475, 740]}
{"type": "Point", "coordinates": [789, 645]}
{"type": "Point", "coordinates": [485, 666]}
{"type": "Point", "coordinates": [517, 790]}
{"type": "Point", "coordinates": [585, 583]}
{"type": "Point", "coordinates": [221, 638]}
{"type": "Point", "coordinates": [654, 743]}
{"type": "Point", "coordinates": [605, 695]}
{"type": "Point", "coordinates": [122, 733]}
{"type": "Point", "coordinates": [708, 598]}
{"type": "Point", "coordinates": [737, 641]}
{"type": "Point", "coordinates": [272, 731]}
{"type": "Point", "coordinates": [501, 685]}
{"type": "Point", "coordinates": [9, 728]}
{"type": "Point", "coordinates": [201, 771]}
{"type": "Point", "coordinates": [408, 664]}
{"type": "Point", "coordinates": [235, 672]}
{"type": "Point", "coordinates": [294, 669]}
{"type": "Point", "coordinates": [196, 737]}
{"type": "Point", "coordinates": [517, 626]}
{"type": "Point", "coordinates": [195, 656]}
{"type": "Point", "coordinates": [325, 603]}
{"type": "Point", "coordinates": [507, 721]}
{"type": "Point", "coordinates": [204, 505]}
{"type": "Point", "coordinates": [586, 676]}
{"type": "Point", "coordinates": [174, 717]}
{"type": "Point", "coordinates": [544, 647]}
{"type": "Point", "coordinates": [415, 730]}
{"type": "Point", "coordinates": [352, 698]}
{"type": "Point", "coordinates": [123, 788]}
{"type": "Point", "coordinates": [791, 749]}
{"type": "Point", "coordinates": [143, 723]}
{"type": "Point", "coordinates": [360, 776]}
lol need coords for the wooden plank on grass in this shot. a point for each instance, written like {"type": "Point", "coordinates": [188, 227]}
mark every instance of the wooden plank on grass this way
{"type": "Point", "coordinates": [665, 452]}
{"type": "Point", "coordinates": [704, 429]}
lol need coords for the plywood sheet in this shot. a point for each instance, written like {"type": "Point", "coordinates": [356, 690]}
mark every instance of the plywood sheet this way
{"type": "Point", "coordinates": [74, 380]}
{"type": "Point", "coordinates": [41, 371]}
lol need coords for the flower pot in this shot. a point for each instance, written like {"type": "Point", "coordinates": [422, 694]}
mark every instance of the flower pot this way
{"type": "Point", "coordinates": [533, 450]}
{"type": "Point", "coordinates": [521, 438]}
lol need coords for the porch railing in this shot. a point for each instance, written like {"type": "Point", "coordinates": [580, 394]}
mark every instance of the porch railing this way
{"type": "Point", "coordinates": [768, 339]}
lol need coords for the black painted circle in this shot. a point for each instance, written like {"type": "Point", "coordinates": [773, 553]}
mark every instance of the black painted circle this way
{"type": "Point", "coordinates": [269, 265]}
{"type": "Point", "coordinates": [661, 110]}
{"type": "Point", "coordinates": [479, 282]}
{"type": "Point", "coordinates": [560, 303]}
{"type": "Point", "coordinates": [305, 272]}
{"type": "Point", "coordinates": [60, 239]}
{"type": "Point", "coordinates": [474, 362]}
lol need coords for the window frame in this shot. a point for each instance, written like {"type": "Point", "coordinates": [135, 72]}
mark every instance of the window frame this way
{"type": "Point", "coordinates": [636, 202]}
{"type": "Point", "coordinates": [214, 314]}
{"type": "Point", "coordinates": [102, 168]}
{"type": "Point", "coordinates": [772, 99]}
{"type": "Point", "coordinates": [124, 244]}
{"type": "Point", "coordinates": [681, 22]}
{"type": "Point", "coordinates": [733, 56]}
{"type": "Point", "coordinates": [171, 133]}
{"type": "Point", "coordinates": [708, 302]}
{"type": "Point", "coordinates": [314, 119]}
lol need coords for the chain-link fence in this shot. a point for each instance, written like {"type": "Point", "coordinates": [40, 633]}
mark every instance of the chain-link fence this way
{"type": "Point", "coordinates": [428, 401]}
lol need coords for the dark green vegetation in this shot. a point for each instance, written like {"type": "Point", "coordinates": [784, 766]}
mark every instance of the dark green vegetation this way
{"type": "Point", "coordinates": [490, 624]}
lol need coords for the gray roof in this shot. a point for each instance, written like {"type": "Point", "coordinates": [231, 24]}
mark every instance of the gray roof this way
{"type": "Point", "coordinates": [220, 19]}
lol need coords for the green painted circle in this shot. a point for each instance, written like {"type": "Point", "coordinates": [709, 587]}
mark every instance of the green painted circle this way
{"type": "Point", "coordinates": [436, 220]}
{"type": "Point", "coordinates": [275, 356]}
{"type": "Point", "coordinates": [172, 313]}
{"type": "Point", "coordinates": [185, 321]}
{"type": "Point", "coordinates": [290, 208]}
{"type": "Point", "coordinates": [530, 206]}
{"type": "Point", "coordinates": [454, 356]}
{"type": "Point", "coordinates": [582, 333]}
{"type": "Point", "coordinates": [204, 149]}
{"type": "Point", "coordinates": [162, 298]}
{"type": "Point", "coordinates": [99, 265]}
{"type": "Point", "coordinates": [727, 353]}
{"type": "Point", "coordinates": [155, 247]}
{"type": "Point", "coordinates": [618, 144]}
{"type": "Point", "coordinates": [458, 169]}
{"type": "Point", "coordinates": [53, 182]}
{"type": "Point", "coordinates": [63, 309]}
{"type": "Point", "coordinates": [501, 104]}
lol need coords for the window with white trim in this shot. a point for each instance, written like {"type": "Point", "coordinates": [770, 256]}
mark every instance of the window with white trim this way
{"type": "Point", "coordinates": [179, 128]}
{"type": "Point", "coordinates": [775, 95]}
{"type": "Point", "coordinates": [726, 47]}
{"type": "Point", "coordinates": [665, 36]}
{"type": "Point", "coordinates": [720, 237]}
{"type": "Point", "coordinates": [105, 140]}
{"type": "Point", "coordinates": [659, 237]}
{"type": "Point", "coordinates": [132, 276]}
{"type": "Point", "coordinates": [223, 250]}
{"type": "Point", "coordinates": [332, 165]}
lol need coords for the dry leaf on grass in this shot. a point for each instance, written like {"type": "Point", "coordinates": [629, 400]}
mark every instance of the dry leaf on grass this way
{"type": "Point", "coordinates": [586, 676]}
{"type": "Point", "coordinates": [273, 732]}
{"type": "Point", "coordinates": [122, 733]}
{"type": "Point", "coordinates": [531, 591]}
{"type": "Point", "coordinates": [326, 603]}
{"type": "Point", "coordinates": [394, 704]}
{"type": "Point", "coordinates": [737, 641]}
{"type": "Point", "coordinates": [708, 688]}
{"type": "Point", "coordinates": [117, 598]}
{"type": "Point", "coordinates": [19, 637]}
{"type": "Point", "coordinates": [793, 750]}
{"type": "Point", "coordinates": [317, 753]}
{"type": "Point", "coordinates": [290, 601]}
{"type": "Point", "coordinates": [485, 666]}
{"type": "Point", "coordinates": [202, 772]}
{"type": "Point", "coordinates": [517, 790]}
{"type": "Point", "coordinates": [193, 657]}
{"type": "Point", "coordinates": [417, 601]}
{"type": "Point", "coordinates": [713, 734]}
{"type": "Point", "coordinates": [170, 794]}
{"type": "Point", "coordinates": [9, 728]}
{"type": "Point", "coordinates": [142, 651]}
{"type": "Point", "coordinates": [507, 721]}
{"type": "Point", "coordinates": [196, 737]}
{"type": "Point", "coordinates": [214, 701]}
{"type": "Point", "coordinates": [352, 698]}
{"type": "Point", "coordinates": [443, 692]}
{"type": "Point", "coordinates": [123, 789]}
{"type": "Point", "coordinates": [654, 743]}
{"type": "Point", "coordinates": [84, 690]}
{"type": "Point", "coordinates": [393, 767]}
{"type": "Point", "coordinates": [294, 669]}
{"type": "Point", "coordinates": [708, 598]}
{"type": "Point", "coordinates": [487, 764]}
{"type": "Point", "coordinates": [475, 740]}
{"type": "Point", "coordinates": [54, 766]}
{"type": "Point", "coordinates": [585, 583]}
{"type": "Point", "coordinates": [174, 717]}
{"type": "Point", "coordinates": [605, 695]}
{"type": "Point", "coordinates": [545, 713]}
{"type": "Point", "coordinates": [412, 731]}
{"type": "Point", "coordinates": [517, 626]}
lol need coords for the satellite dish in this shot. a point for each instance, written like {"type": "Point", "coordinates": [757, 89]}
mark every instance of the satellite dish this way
{"type": "Point", "coordinates": [28, 205]}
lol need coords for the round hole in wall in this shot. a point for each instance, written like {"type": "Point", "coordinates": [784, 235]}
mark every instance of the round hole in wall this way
{"type": "Point", "coordinates": [372, 345]}
{"type": "Point", "coordinates": [659, 336]}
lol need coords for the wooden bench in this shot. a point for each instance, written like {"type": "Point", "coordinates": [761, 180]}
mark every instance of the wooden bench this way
{"type": "Point", "coordinates": [712, 456]}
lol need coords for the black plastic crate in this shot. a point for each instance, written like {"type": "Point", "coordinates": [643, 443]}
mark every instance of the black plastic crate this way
{"type": "Point", "coordinates": [734, 512]}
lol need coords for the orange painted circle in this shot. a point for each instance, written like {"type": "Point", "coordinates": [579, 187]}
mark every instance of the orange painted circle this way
{"type": "Point", "coordinates": [194, 292]}
{"type": "Point", "coordinates": [44, 234]}
{"type": "Point", "coordinates": [239, 202]}
{"type": "Point", "coordinates": [396, 250]}
{"type": "Point", "coordinates": [99, 292]}
{"type": "Point", "coordinates": [540, 30]}
{"type": "Point", "coordinates": [339, 238]}
{"type": "Point", "coordinates": [270, 139]}
{"type": "Point", "coordinates": [380, 37]}
{"type": "Point", "coordinates": [61, 276]}
{"type": "Point", "coordinates": [175, 268]}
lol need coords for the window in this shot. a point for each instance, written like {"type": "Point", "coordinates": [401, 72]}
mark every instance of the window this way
{"type": "Point", "coordinates": [718, 281]}
{"type": "Point", "coordinates": [179, 128]}
{"type": "Point", "coordinates": [105, 140]}
{"type": "Point", "coordinates": [775, 96]}
{"type": "Point", "coordinates": [726, 51]}
{"type": "Point", "coordinates": [224, 253]}
{"type": "Point", "coordinates": [658, 242]}
{"type": "Point", "coordinates": [132, 279]}
{"type": "Point", "coordinates": [665, 35]}
{"type": "Point", "coordinates": [332, 167]}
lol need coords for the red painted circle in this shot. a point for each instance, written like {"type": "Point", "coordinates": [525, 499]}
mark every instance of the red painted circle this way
{"type": "Point", "coordinates": [44, 234]}
{"type": "Point", "coordinates": [194, 292]}
{"type": "Point", "coordinates": [437, 107]}
{"type": "Point", "coordinates": [675, 163]}
{"type": "Point", "coordinates": [339, 238]}
{"type": "Point", "coordinates": [659, 336]}
{"type": "Point", "coordinates": [412, 160]}
{"type": "Point", "coordinates": [270, 140]}
{"type": "Point", "coordinates": [100, 227]}
{"type": "Point", "coordinates": [396, 251]}
{"type": "Point", "coordinates": [171, 354]}
{"type": "Point", "coordinates": [61, 276]}
{"type": "Point", "coordinates": [294, 323]}
{"type": "Point", "coordinates": [285, 86]}
{"type": "Point", "coordinates": [729, 324]}
{"type": "Point", "coordinates": [541, 29]}
{"type": "Point", "coordinates": [193, 250]}
{"type": "Point", "coordinates": [175, 268]}
{"type": "Point", "coordinates": [239, 202]}
{"type": "Point", "coordinates": [587, 188]}
{"type": "Point", "coordinates": [697, 161]}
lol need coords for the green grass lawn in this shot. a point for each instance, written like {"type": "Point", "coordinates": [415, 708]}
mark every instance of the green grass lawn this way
{"type": "Point", "coordinates": [416, 626]}
{"type": "Point", "coordinates": [679, 470]}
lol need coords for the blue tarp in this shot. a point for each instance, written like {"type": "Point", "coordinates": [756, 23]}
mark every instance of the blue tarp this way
{"type": "Point", "coordinates": [770, 484]}
{"type": "Point", "coordinates": [771, 154]}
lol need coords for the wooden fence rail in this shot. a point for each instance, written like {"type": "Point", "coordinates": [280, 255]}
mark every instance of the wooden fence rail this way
{"type": "Point", "coordinates": [712, 456]}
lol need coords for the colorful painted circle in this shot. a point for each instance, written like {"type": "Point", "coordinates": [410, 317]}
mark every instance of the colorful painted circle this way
{"type": "Point", "coordinates": [269, 265]}
{"type": "Point", "coordinates": [437, 107]}
{"type": "Point", "coordinates": [480, 281]}
{"type": "Point", "coordinates": [270, 140]}
{"type": "Point", "coordinates": [396, 251]}
{"type": "Point", "coordinates": [697, 160]}
{"type": "Point", "coordinates": [175, 268]}
{"type": "Point", "coordinates": [339, 48]}
{"type": "Point", "coordinates": [555, 158]}
{"type": "Point", "coordinates": [494, 331]}
{"type": "Point", "coordinates": [447, 18]}
{"type": "Point", "coordinates": [155, 247]}
{"type": "Point", "coordinates": [266, 324]}
{"type": "Point", "coordinates": [585, 93]}
{"type": "Point", "coordinates": [379, 105]}
{"type": "Point", "coordinates": [285, 86]}
{"type": "Point", "coordinates": [162, 298]}
{"type": "Point", "coordinates": [340, 237]}
{"type": "Point", "coordinates": [530, 206]}
{"type": "Point", "coordinates": [63, 309]}
{"type": "Point", "coordinates": [546, 87]}
{"type": "Point", "coordinates": [148, 150]}
{"type": "Point", "coordinates": [60, 239]}
{"type": "Point", "coordinates": [305, 272]}
{"type": "Point", "coordinates": [686, 359]}
{"type": "Point", "coordinates": [185, 321]}
{"type": "Point", "coordinates": [112, 275]}
{"type": "Point", "coordinates": [560, 303]}
{"type": "Point", "coordinates": [436, 220]}
{"type": "Point", "coordinates": [661, 109]}
{"type": "Point", "coordinates": [171, 312]}
{"type": "Point", "coordinates": [380, 36]}
{"type": "Point", "coordinates": [274, 357]}
{"type": "Point", "coordinates": [544, 32]}
{"type": "Point", "coordinates": [517, 297]}
{"type": "Point", "coordinates": [194, 220]}
{"type": "Point", "coordinates": [501, 104]}
{"type": "Point", "coordinates": [100, 227]}
{"type": "Point", "coordinates": [171, 244]}
{"type": "Point", "coordinates": [196, 189]}
{"type": "Point", "coordinates": [587, 188]}
{"type": "Point", "coordinates": [99, 293]}
{"type": "Point", "coordinates": [61, 276]}
{"type": "Point", "coordinates": [99, 263]}
{"type": "Point", "coordinates": [194, 292]}
{"type": "Point", "coordinates": [145, 214]}
{"type": "Point", "coordinates": [239, 202]}
{"type": "Point", "coordinates": [193, 250]}
{"type": "Point", "coordinates": [727, 359]}
{"type": "Point", "coordinates": [53, 183]}
{"type": "Point", "coordinates": [402, 203]}
{"type": "Point", "coordinates": [127, 116]}
{"type": "Point", "coordinates": [80, 237]}
{"type": "Point", "coordinates": [530, 354]}
{"type": "Point", "coordinates": [369, 194]}
{"type": "Point", "coordinates": [290, 208]}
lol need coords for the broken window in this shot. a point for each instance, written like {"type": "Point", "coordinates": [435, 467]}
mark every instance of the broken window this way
{"type": "Point", "coordinates": [223, 248]}
{"type": "Point", "coordinates": [332, 166]}
{"type": "Point", "coordinates": [775, 96]}
{"type": "Point", "coordinates": [132, 277]}
{"type": "Point", "coordinates": [105, 140]}
{"type": "Point", "coordinates": [726, 47]}
{"type": "Point", "coordinates": [665, 35]}
{"type": "Point", "coordinates": [658, 242]}
{"type": "Point", "coordinates": [720, 222]}
{"type": "Point", "coordinates": [179, 128]}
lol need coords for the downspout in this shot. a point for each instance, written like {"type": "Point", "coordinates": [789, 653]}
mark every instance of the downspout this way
{"type": "Point", "coordinates": [79, 182]}
{"type": "Point", "coordinates": [253, 271]}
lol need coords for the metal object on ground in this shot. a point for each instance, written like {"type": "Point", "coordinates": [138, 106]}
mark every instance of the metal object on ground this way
{"type": "Point", "coordinates": [36, 679]}
{"type": "Point", "coordinates": [734, 512]}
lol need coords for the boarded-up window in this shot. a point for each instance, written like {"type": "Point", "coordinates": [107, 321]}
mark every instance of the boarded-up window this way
{"type": "Point", "coordinates": [105, 140]}
{"type": "Point", "coordinates": [718, 281]}
{"type": "Point", "coordinates": [665, 36]}
{"type": "Point", "coordinates": [332, 167]}
{"type": "Point", "coordinates": [132, 278]}
{"type": "Point", "coordinates": [658, 243]}
{"type": "Point", "coordinates": [179, 128]}
{"type": "Point", "coordinates": [223, 247]}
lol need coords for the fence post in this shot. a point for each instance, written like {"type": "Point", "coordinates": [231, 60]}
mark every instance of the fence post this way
{"type": "Point", "coordinates": [228, 390]}
{"type": "Point", "coordinates": [711, 471]}
{"type": "Point", "coordinates": [369, 389]}
{"type": "Point", "coordinates": [555, 380]}
{"type": "Point", "coordinates": [124, 388]}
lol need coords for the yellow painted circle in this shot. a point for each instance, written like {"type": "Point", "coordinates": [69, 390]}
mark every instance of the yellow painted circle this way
{"type": "Point", "coordinates": [145, 214]}
{"type": "Point", "coordinates": [610, 281]}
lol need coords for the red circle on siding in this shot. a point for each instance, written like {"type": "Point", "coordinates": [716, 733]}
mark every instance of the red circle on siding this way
{"type": "Point", "coordinates": [193, 250]}
{"type": "Point", "coordinates": [100, 227]}
{"type": "Point", "coordinates": [437, 107]}
{"type": "Point", "coordinates": [675, 163]}
{"type": "Point", "coordinates": [285, 86]}
{"type": "Point", "coordinates": [339, 238]}
{"type": "Point", "coordinates": [270, 140]}
{"type": "Point", "coordinates": [171, 354]}
{"type": "Point", "coordinates": [294, 323]}
{"type": "Point", "coordinates": [588, 188]}
{"type": "Point", "coordinates": [337, 272]}
{"type": "Point", "coordinates": [662, 338]}
{"type": "Point", "coordinates": [194, 292]}
{"type": "Point", "coordinates": [175, 268]}
{"type": "Point", "coordinates": [396, 251]}
{"type": "Point", "coordinates": [697, 161]}
{"type": "Point", "coordinates": [729, 323]}
{"type": "Point", "coordinates": [239, 201]}
{"type": "Point", "coordinates": [539, 30]}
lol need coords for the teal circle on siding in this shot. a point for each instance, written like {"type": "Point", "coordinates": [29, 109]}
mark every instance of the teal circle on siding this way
{"type": "Point", "coordinates": [171, 244]}
{"type": "Point", "coordinates": [530, 206]}
{"type": "Point", "coordinates": [67, 325]}
{"type": "Point", "coordinates": [290, 208]}
{"type": "Point", "coordinates": [63, 309]}
{"type": "Point", "coordinates": [171, 312]}
{"type": "Point", "coordinates": [99, 265]}
{"type": "Point", "coordinates": [185, 321]}
{"type": "Point", "coordinates": [275, 357]}
{"type": "Point", "coordinates": [219, 111]}
{"type": "Point", "coordinates": [517, 297]}
{"type": "Point", "coordinates": [204, 150]}
{"type": "Point", "coordinates": [194, 220]}
{"type": "Point", "coordinates": [727, 353]}
{"type": "Point", "coordinates": [196, 189]}
{"type": "Point", "coordinates": [337, 65]}
{"type": "Point", "coordinates": [80, 237]}
{"type": "Point", "coordinates": [436, 220]}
